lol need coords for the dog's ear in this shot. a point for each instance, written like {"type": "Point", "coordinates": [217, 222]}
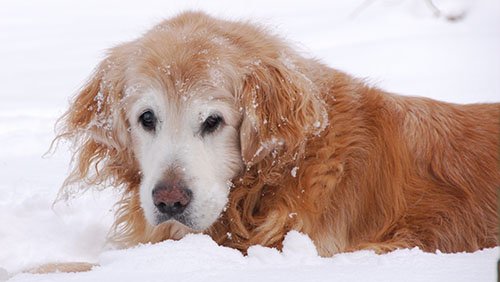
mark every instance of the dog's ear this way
{"type": "Point", "coordinates": [282, 108]}
{"type": "Point", "coordinates": [96, 126]}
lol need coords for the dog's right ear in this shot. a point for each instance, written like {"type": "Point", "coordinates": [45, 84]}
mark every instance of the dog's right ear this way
{"type": "Point", "coordinates": [96, 126]}
{"type": "Point", "coordinates": [281, 109]}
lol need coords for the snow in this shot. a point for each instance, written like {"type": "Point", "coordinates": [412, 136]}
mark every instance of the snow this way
{"type": "Point", "coordinates": [50, 47]}
{"type": "Point", "coordinates": [181, 261]}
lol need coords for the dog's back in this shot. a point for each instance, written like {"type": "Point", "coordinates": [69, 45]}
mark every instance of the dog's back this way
{"type": "Point", "coordinates": [415, 171]}
{"type": "Point", "coordinates": [453, 177]}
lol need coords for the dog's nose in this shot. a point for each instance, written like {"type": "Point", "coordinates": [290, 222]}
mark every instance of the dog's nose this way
{"type": "Point", "coordinates": [171, 198]}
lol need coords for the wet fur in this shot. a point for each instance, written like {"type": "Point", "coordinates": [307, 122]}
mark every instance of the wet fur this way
{"type": "Point", "coordinates": [373, 169]}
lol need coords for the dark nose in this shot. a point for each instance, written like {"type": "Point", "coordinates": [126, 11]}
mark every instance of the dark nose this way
{"type": "Point", "coordinates": [171, 198]}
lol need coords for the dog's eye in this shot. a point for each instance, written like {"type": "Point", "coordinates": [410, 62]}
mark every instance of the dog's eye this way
{"type": "Point", "coordinates": [148, 120]}
{"type": "Point", "coordinates": [211, 124]}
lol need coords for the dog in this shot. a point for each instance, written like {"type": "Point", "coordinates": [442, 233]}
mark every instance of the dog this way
{"type": "Point", "coordinates": [221, 127]}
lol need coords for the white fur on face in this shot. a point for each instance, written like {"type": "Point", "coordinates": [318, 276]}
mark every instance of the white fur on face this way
{"type": "Point", "coordinates": [208, 162]}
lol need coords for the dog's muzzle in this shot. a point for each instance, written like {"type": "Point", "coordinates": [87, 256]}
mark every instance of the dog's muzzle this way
{"type": "Point", "coordinates": [171, 198]}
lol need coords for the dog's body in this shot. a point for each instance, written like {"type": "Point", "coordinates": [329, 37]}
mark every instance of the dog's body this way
{"type": "Point", "coordinates": [224, 128]}
{"type": "Point", "coordinates": [388, 172]}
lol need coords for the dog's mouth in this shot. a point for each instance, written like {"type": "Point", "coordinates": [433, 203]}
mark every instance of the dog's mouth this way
{"type": "Point", "coordinates": [176, 229]}
{"type": "Point", "coordinates": [183, 218]}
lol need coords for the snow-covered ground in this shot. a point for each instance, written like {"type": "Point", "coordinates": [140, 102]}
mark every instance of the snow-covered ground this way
{"type": "Point", "coordinates": [48, 48]}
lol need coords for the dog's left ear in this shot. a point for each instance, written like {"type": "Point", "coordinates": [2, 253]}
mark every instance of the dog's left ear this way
{"type": "Point", "coordinates": [282, 108]}
{"type": "Point", "coordinates": [96, 126]}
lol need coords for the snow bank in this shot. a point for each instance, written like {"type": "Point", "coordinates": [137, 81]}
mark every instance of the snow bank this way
{"type": "Point", "coordinates": [198, 258]}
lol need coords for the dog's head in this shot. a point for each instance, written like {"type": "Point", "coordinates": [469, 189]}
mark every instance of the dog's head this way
{"type": "Point", "coordinates": [187, 108]}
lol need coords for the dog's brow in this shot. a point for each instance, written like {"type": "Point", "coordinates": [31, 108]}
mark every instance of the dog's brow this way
{"type": "Point", "coordinates": [219, 97]}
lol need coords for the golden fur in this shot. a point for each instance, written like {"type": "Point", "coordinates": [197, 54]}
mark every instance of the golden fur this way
{"type": "Point", "coordinates": [370, 169]}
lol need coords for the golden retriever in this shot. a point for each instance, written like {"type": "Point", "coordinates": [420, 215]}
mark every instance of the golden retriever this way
{"type": "Point", "coordinates": [216, 126]}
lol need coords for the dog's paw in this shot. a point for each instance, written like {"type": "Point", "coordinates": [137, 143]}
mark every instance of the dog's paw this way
{"type": "Point", "coordinates": [63, 267]}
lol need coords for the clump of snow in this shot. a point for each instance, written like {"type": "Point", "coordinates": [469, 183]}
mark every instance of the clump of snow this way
{"type": "Point", "coordinates": [99, 98]}
{"type": "Point", "coordinates": [165, 69]}
{"type": "Point", "coordinates": [294, 170]}
{"type": "Point", "coordinates": [103, 121]}
{"type": "Point", "coordinates": [217, 77]}
{"type": "Point", "coordinates": [299, 246]}
{"type": "Point", "coordinates": [229, 183]}
{"type": "Point", "coordinates": [269, 145]}
{"type": "Point", "coordinates": [321, 126]}
{"type": "Point", "coordinates": [287, 61]}
{"type": "Point", "coordinates": [222, 41]}
{"type": "Point", "coordinates": [256, 62]}
{"type": "Point", "coordinates": [133, 90]}
{"type": "Point", "coordinates": [4, 275]}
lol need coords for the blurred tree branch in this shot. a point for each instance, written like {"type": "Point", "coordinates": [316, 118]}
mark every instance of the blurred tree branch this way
{"type": "Point", "coordinates": [438, 13]}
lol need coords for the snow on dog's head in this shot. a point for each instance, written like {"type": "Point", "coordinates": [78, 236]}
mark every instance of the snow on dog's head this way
{"type": "Point", "coordinates": [177, 115]}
